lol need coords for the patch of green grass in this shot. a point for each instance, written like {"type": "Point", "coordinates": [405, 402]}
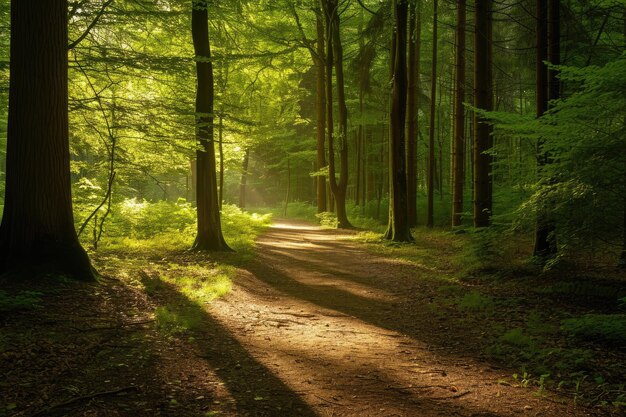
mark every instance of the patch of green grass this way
{"type": "Point", "coordinates": [516, 337]}
{"type": "Point", "coordinates": [198, 282]}
{"type": "Point", "coordinates": [24, 300]}
{"type": "Point", "coordinates": [174, 321]}
{"type": "Point", "coordinates": [475, 301]}
{"type": "Point", "coordinates": [608, 328]}
{"type": "Point", "coordinates": [581, 288]}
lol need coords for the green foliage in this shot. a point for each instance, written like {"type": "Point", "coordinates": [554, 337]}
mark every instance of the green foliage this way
{"type": "Point", "coordinates": [581, 188]}
{"type": "Point", "coordinates": [516, 337]}
{"type": "Point", "coordinates": [171, 226]}
{"type": "Point", "coordinates": [241, 228]}
{"type": "Point", "coordinates": [143, 220]}
{"type": "Point", "coordinates": [475, 301]}
{"type": "Point", "coordinates": [24, 300]}
{"type": "Point", "coordinates": [607, 328]}
{"type": "Point", "coordinates": [175, 321]}
{"type": "Point", "coordinates": [327, 219]}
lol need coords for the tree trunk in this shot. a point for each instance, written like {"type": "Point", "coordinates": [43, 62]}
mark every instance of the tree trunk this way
{"type": "Point", "coordinates": [288, 196]}
{"type": "Point", "coordinates": [221, 149]}
{"type": "Point", "coordinates": [209, 235]}
{"type": "Point", "coordinates": [244, 180]}
{"type": "Point", "coordinates": [412, 114]}
{"type": "Point", "coordinates": [431, 136]}
{"type": "Point", "coordinates": [483, 99]}
{"type": "Point", "coordinates": [622, 259]}
{"type": "Point", "coordinates": [458, 149]}
{"type": "Point", "coordinates": [548, 88]}
{"type": "Point", "coordinates": [38, 224]}
{"type": "Point", "coordinates": [334, 55]}
{"type": "Point", "coordinates": [398, 229]}
{"type": "Point", "coordinates": [320, 106]}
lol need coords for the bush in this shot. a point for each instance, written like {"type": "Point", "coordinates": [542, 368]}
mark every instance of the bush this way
{"type": "Point", "coordinates": [609, 328]}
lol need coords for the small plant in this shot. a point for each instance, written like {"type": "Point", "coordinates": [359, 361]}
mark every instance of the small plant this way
{"type": "Point", "coordinates": [475, 301]}
{"type": "Point", "coordinates": [524, 380]}
{"type": "Point", "coordinates": [516, 337]}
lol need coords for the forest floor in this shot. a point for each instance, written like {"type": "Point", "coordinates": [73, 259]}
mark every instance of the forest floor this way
{"type": "Point", "coordinates": [316, 324]}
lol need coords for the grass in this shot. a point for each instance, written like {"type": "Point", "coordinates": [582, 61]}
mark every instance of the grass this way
{"type": "Point", "coordinates": [23, 300]}
{"type": "Point", "coordinates": [148, 250]}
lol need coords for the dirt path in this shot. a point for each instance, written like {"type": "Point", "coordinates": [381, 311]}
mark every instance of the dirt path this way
{"type": "Point", "coordinates": [318, 326]}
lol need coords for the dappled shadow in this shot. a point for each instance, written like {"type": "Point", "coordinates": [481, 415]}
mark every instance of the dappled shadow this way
{"type": "Point", "coordinates": [91, 349]}
{"type": "Point", "coordinates": [254, 388]}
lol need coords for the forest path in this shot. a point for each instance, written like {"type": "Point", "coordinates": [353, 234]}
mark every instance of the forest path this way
{"type": "Point", "coordinates": [322, 327]}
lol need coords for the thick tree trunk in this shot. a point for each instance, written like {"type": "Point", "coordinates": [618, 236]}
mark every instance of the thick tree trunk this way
{"type": "Point", "coordinates": [244, 180]}
{"type": "Point", "coordinates": [38, 224]}
{"type": "Point", "coordinates": [209, 225]}
{"type": "Point", "coordinates": [398, 229]}
{"type": "Point", "coordinates": [430, 218]}
{"type": "Point", "coordinates": [412, 113]}
{"type": "Point", "coordinates": [458, 149]}
{"type": "Point", "coordinates": [320, 106]}
{"type": "Point", "coordinates": [483, 99]}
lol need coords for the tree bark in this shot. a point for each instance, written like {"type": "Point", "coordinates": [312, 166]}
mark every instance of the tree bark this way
{"type": "Point", "coordinates": [483, 100]}
{"type": "Point", "coordinates": [458, 149]}
{"type": "Point", "coordinates": [38, 224]}
{"type": "Point", "coordinates": [432, 129]}
{"type": "Point", "coordinates": [548, 88]}
{"type": "Point", "coordinates": [244, 180]}
{"type": "Point", "coordinates": [398, 229]}
{"type": "Point", "coordinates": [209, 237]}
{"type": "Point", "coordinates": [412, 114]}
{"type": "Point", "coordinates": [320, 106]}
{"type": "Point", "coordinates": [221, 150]}
{"type": "Point", "coordinates": [334, 55]}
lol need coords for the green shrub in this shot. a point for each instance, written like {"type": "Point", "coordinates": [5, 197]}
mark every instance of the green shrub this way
{"type": "Point", "coordinates": [610, 328]}
{"type": "Point", "coordinates": [327, 219]}
{"type": "Point", "coordinates": [475, 301]}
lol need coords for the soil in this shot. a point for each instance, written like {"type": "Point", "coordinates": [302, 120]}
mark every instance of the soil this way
{"type": "Point", "coordinates": [315, 326]}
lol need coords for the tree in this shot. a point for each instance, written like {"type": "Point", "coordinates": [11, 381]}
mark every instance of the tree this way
{"type": "Point", "coordinates": [483, 100]}
{"type": "Point", "coordinates": [432, 128]}
{"type": "Point", "coordinates": [38, 223]}
{"type": "Point", "coordinates": [398, 229]}
{"type": "Point", "coordinates": [547, 88]}
{"type": "Point", "coordinates": [209, 235]}
{"type": "Point", "coordinates": [458, 149]}
{"type": "Point", "coordinates": [334, 54]}
{"type": "Point", "coordinates": [414, 41]}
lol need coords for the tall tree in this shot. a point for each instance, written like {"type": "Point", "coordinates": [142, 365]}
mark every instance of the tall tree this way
{"type": "Point", "coordinates": [38, 224]}
{"type": "Point", "coordinates": [209, 235]}
{"type": "Point", "coordinates": [548, 88]}
{"type": "Point", "coordinates": [483, 100]}
{"type": "Point", "coordinates": [320, 106]}
{"type": "Point", "coordinates": [430, 216]}
{"type": "Point", "coordinates": [412, 112]}
{"type": "Point", "coordinates": [458, 148]}
{"type": "Point", "coordinates": [622, 258]}
{"type": "Point", "coordinates": [398, 229]}
{"type": "Point", "coordinates": [334, 55]}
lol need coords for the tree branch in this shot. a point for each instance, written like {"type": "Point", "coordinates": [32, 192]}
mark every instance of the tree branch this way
{"type": "Point", "coordinates": [93, 23]}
